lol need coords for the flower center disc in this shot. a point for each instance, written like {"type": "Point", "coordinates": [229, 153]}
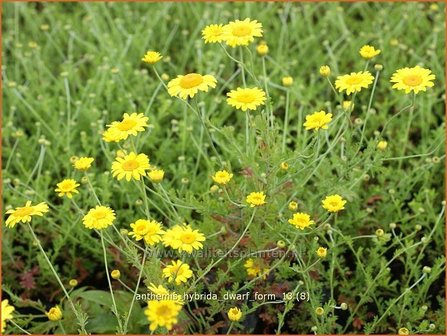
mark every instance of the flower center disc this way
{"type": "Point", "coordinates": [126, 124]}
{"type": "Point", "coordinates": [23, 212]}
{"type": "Point", "coordinates": [241, 31]}
{"type": "Point", "coordinates": [99, 214]}
{"type": "Point", "coordinates": [246, 98]}
{"type": "Point", "coordinates": [130, 165]}
{"type": "Point", "coordinates": [187, 238]}
{"type": "Point", "coordinates": [191, 80]}
{"type": "Point", "coordinates": [412, 80]}
{"type": "Point", "coordinates": [354, 80]}
{"type": "Point", "coordinates": [163, 310]}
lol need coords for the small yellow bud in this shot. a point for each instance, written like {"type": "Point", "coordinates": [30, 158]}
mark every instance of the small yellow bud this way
{"type": "Point", "coordinates": [55, 314]}
{"type": "Point", "coordinates": [403, 331]}
{"type": "Point", "coordinates": [115, 274]}
{"type": "Point", "coordinates": [284, 165]}
{"type": "Point", "coordinates": [293, 206]}
{"type": "Point", "coordinates": [382, 145]}
{"type": "Point", "coordinates": [319, 311]}
{"type": "Point", "coordinates": [262, 49]}
{"type": "Point", "coordinates": [281, 243]}
{"type": "Point", "coordinates": [321, 252]}
{"type": "Point", "coordinates": [234, 314]}
{"type": "Point", "coordinates": [325, 70]}
{"type": "Point", "coordinates": [156, 176]}
{"type": "Point", "coordinates": [287, 81]}
{"type": "Point", "coordinates": [73, 282]}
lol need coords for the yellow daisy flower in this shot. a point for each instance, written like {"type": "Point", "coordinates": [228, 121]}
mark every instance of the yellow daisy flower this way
{"type": "Point", "coordinates": [213, 33]}
{"type": "Point", "coordinates": [150, 230]}
{"type": "Point", "coordinates": [131, 124]}
{"type": "Point", "coordinates": [301, 220]}
{"type": "Point", "coordinates": [321, 252]}
{"type": "Point", "coordinates": [333, 203]}
{"type": "Point", "coordinates": [7, 310]}
{"type": "Point", "coordinates": [256, 268]}
{"type": "Point", "coordinates": [163, 293]}
{"type": "Point", "coordinates": [368, 52]}
{"type": "Point", "coordinates": [187, 239]}
{"type": "Point", "coordinates": [413, 79]}
{"type": "Point", "coordinates": [162, 313]}
{"type": "Point", "coordinates": [354, 82]}
{"type": "Point", "coordinates": [99, 218]}
{"type": "Point", "coordinates": [171, 236]}
{"type": "Point", "coordinates": [130, 166]}
{"type": "Point", "coordinates": [246, 99]}
{"type": "Point", "coordinates": [189, 85]}
{"type": "Point", "coordinates": [156, 175]}
{"type": "Point", "coordinates": [234, 314]}
{"type": "Point", "coordinates": [317, 120]}
{"type": "Point", "coordinates": [152, 57]}
{"type": "Point", "coordinates": [241, 33]}
{"type": "Point", "coordinates": [24, 214]}
{"type": "Point", "coordinates": [178, 271]}
{"type": "Point", "coordinates": [256, 199]}
{"type": "Point", "coordinates": [54, 314]}
{"type": "Point", "coordinates": [83, 163]}
{"type": "Point", "coordinates": [67, 187]}
{"type": "Point", "coordinates": [222, 177]}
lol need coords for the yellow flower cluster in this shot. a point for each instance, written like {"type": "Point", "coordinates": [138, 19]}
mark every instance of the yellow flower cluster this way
{"type": "Point", "coordinates": [256, 268]}
{"type": "Point", "coordinates": [235, 33]}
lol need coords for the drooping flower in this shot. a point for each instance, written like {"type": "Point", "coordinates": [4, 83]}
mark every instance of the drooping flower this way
{"type": "Point", "coordinates": [189, 85]}
{"type": "Point", "coordinates": [83, 163]}
{"type": "Point", "coordinates": [368, 52]}
{"type": "Point", "coordinates": [246, 99]}
{"type": "Point", "coordinates": [317, 120]}
{"type": "Point", "coordinates": [241, 33]}
{"type": "Point", "coordinates": [67, 187]}
{"type": "Point", "coordinates": [256, 199]}
{"type": "Point", "coordinates": [177, 271]}
{"type": "Point", "coordinates": [131, 124]}
{"type": "Point", "coordinates": [152, 57]}
{"type": "Point", "coordinates": [54, 314]}
{"type": "Point", "coordinates": [133, 165]}
{"type": "Point", "coordinates": [354, 82]}
{"type": "Point", "coordinates": [149, 230]}
{"type": "Point", "coordinates": [234, 314]}
{"type": "Point", "coordinates": [162, 313]}
{"type": "Point", "coordinates": [6, 314]}
{"type": "Point", "coordinates": [333, 203]}
{"type": "Point", "coordinates": [414, 79]}
{"type": "Point", "coordinates": [222, 177]}
{"type": "Point", "coordinates": [213, 33]}
{"type": "Point", "coordinates": [256, 268]}
{"type": "Point", "coordinates": [25, 213]}
{"type": "Point", "coordinates": [301, 220]}
{"type": "Point", "coordinates": [99, 218]}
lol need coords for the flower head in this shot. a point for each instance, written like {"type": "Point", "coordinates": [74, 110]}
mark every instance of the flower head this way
{"type": "Point", "coordinates": [213, 33]}
{"type": "Point", "coordinates": [301, 220]}
{"type": "Point", "coordinates": [246, 99]}
{"type": "Point", "coordinates": [256, 199]}
{"type": "Point", "coordinates": [321, 252]}
{"type": "Point", "coordinates": [284, 166]}
{"type": "Point", "coordinates": [132, 165]}
{"type": "Point", "coordinates": [333, 203]}
{"type": "Point", "coordinates": [25, 213]}
{"type": "Point", "coordinates": [287, 81]}
{"type": "Point", "coordinates": [163, 293]}
{"type": "Point", "coordinates": [318, 120]}
{"type": "Point", "coordinates": [234, 314]}
{"type": "Point", "coordinates": [189, 85]}
{"type": "Point", "coordinates": [152, 57]}
{"type": "Point", "coordinates": [67, 187]}
{"type": "Point", "coordinates": [382, 145]}
{"type": "Point", "coordinates": [262, 49]}
{"type": "Point", "coordinates": [73, 282]}
{"type": "Point", "coordinates": [293, 206]}
{"type": "Point", "coordinates": [7, 310]}
{"type": "Point", "coordinates": [99, 218]}
{"type": "Point", "coordinates": [131, 124]}
{"type": "Point", "coordinates": [368, 52]}
{"type": "Point", "coordinates": [256, 267]}
{"type": "Point", "coordinates": [403, 331]}
{"type": "Point", "coordinates": [241, 33]}
{"type": "Point", "coordinates": [183, 238]}
{"type": "Point", "coordinates": [115, 274]}
{"type": "Point", "coordinates": [222, 177]}
{"type": "Point", "coordinates": [354, 82]}
{"type": "Point", "coordinates": [178, 271]}
{"type": "Point", "coordinates": [54, 314]}
{"type": "Point", "coordinates": [83, 163]}
{"type": "Point", "coordinates": [325, 70]}
{"type": "Point", "coordinates": [162, 313]}
{"type": "Point", "coordinates": [149, 230]}
{"type": "Point", "coordinates": [414, 79]}
{"type": "Point", "coordinates": [156, 175]}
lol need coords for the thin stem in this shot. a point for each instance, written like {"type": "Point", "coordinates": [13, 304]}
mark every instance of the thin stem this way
{"type": "Point", "coordinates": [286, 122]}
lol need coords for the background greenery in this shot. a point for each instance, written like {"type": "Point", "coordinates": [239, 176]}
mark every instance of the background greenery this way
{"type": "Point", "coordinates": [69, 69]}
